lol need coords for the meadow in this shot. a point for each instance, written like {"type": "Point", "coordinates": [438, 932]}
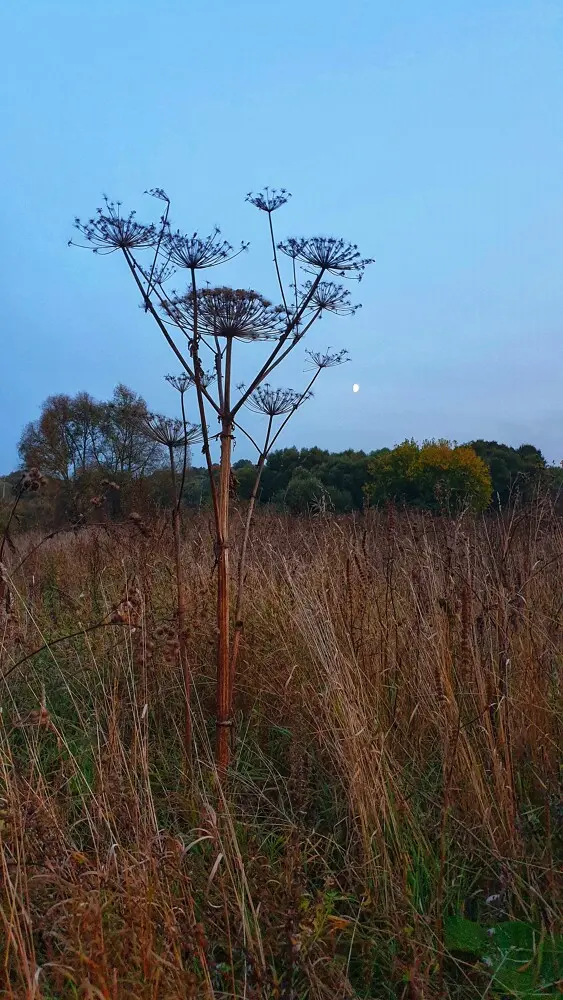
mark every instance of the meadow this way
{"type": "Point", "coordinates": [395, 777]}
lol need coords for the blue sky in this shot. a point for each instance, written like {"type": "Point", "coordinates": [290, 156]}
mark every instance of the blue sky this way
{"type": "Point", "coordinates": [430, 133]}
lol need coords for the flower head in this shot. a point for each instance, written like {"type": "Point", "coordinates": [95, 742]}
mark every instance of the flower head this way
{"type": "Point", "coordinates": [274, 402]}
{"type": "Point", "coordinates": [326, 359]}
{"type": "Point", "coordinates": [232, 313]}
{"type": "Point", "coordinates": [195, 252]}
{"type": "Point", "coordinates": [269, 199]}
{"type": "Point", "coordinates": [109, 230]}
{"type": "Point", "coordinates": [330, 297]}
{"type": "Point", "coordinates": [326, 253]}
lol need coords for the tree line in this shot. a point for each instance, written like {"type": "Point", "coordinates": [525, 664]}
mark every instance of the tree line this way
{"type": "Point", "coordinates": [103, 458]}
{"type": "Point", "coordinates": [433, 476]}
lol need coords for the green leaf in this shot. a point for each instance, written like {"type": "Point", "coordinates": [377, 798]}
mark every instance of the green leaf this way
{"type": "Point", "coordinates": [514, 936]}
{"type": "Point", "coordinates": [465, 935]}
{"type": "Point", "coordinates": [520, 960]}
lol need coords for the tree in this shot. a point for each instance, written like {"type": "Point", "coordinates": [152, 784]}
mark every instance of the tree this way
{"type": "Point", "coordinates": [436, 476]}
{"type": "Point", "coordinates": [214, 323]}
{"type": "Point", "coordinates": [64, 440]}
{"type": "Point", "coordinates": [76, 434]}
{"type": "Point", "coordinates": [125, 445]}
{"type": "Point", "coordinates": [303, 489]}
{"type": "Point", "coordinates": [346, 473]}
{"type": "Point", "coordinates": [515, 472]}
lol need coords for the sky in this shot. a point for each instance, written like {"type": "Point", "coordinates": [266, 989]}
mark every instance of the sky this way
{"type": "Point", "coordinates": [429, 133]}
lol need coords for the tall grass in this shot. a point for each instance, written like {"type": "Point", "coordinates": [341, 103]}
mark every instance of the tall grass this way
{"type": "Point", "coordinates": [397, 759]}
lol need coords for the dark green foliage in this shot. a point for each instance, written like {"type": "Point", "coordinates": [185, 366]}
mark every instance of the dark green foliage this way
{"type": "Point", "coordinates": [303, 492]}
{"type": "Point", "coordinates": [515, 472]}
{"type": "Point", "coordinates": [78, 441]}
{"type": "Point", "coordinates": [245, 473]}
{"type": "Point", "coordinates": [339, 477]}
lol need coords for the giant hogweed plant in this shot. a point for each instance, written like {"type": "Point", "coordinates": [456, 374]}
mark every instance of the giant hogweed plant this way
{"type": "Point", "coordinates": [205, 326]}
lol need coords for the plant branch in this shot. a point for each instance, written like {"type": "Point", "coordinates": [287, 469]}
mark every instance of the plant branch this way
{"type": "Point", "coordinates": [276, 264]}
{"type": "Point", "coordinates": [6, 532]}
{"type": "Point", "coordinates": [162, 326]}
{"type": "Point", "coordinates": [200, 392]}
{"type": "Point", "coordinates": [269, 365]}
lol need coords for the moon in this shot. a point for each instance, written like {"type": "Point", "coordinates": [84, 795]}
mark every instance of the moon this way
{"type": "Point", "coordinates": [355, 387]}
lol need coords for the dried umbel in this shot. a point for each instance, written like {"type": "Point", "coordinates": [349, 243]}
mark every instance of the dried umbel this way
{"type": "Point", "coordinates": [158, 193]}
{"type": "Point", "coordinates": [170, 431]}
{"type": "Point", "coordinates": [275, 402]}
{"type": "Point", "coordinates": [327, 359]}
{"type": "Point", "coordinates": [231, 313]}
{"type": "Point", "coordinates": [327, 254]}
{"type": "Point", "coordinates": [269, 199]}
{"type": "Point", "coordinates": [183, 382]}
{"type": "Point", "coordinates": [195, 252]}
{"type": "Point", "coordinates": [109, 231]}
{"type": "Point", "coordinates": [329, 297]}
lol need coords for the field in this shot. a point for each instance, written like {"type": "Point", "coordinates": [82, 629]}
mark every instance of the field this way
{"type": "Point", "coordinates": [396, 762]}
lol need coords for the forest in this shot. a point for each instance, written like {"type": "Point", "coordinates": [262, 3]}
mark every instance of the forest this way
{"type": "Point", "coordinates": [106, 459]}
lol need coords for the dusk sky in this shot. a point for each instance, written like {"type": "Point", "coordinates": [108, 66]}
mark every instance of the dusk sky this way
{"type": "Point", "coordinates": [429, 133]}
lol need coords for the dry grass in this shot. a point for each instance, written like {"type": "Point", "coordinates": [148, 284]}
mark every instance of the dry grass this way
{"type": "Point", "coordinates": [397, 755]}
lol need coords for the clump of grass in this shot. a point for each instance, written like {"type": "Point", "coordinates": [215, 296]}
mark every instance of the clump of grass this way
{"type": "Point", "coordinates": [398, 745]}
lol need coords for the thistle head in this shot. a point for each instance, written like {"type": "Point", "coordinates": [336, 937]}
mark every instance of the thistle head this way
{"type": "Point", "coordinates": [109, 230]}
{"type": "Point", "coordinates": [275, 402]}
{"type": "Point", "coordinates": [32, 480]}
{"type": "Point", "coordinates": [269, 199]}
{"type": "Point", "coordinates": [232, 313]}
{"type": "Point", "coordinates": [195, 252]}
{"type": "Point", "coordinates": [327, 254]}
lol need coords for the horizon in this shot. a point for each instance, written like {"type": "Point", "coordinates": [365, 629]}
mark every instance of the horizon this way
{"type": "Point", "coordinates": [431, 137]}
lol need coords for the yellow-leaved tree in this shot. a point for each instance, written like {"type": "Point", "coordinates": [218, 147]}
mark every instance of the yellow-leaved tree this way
{"type": "Point", "coordinates": [436, 475]}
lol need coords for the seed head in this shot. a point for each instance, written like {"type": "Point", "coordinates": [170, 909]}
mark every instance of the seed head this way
{"type": "Point", "coordinates": [32, 481]}
{"type": "Point", "coordinates": [274, 402]}
{"type": "Point", "coordinates": [232, 313]}
{"type": "Point", "coordinates": [328, 254]}
{"type": "Point", "coordinates": [169, 431]}
{"type": "Point", "coordinates": [195, 252]}
{"type": "Point", "coordinates": [327, 359]}
{"type": "Point", "coordinates": [109, 230]}
{"type": "Point", "coordinates": [183, 382]}
{"type": "Point", "coordinates": [269, 199]}
{"type": "Point", "coordinates": [330, 297]}
{"type": "Point", "coordinates": [158, 193]}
